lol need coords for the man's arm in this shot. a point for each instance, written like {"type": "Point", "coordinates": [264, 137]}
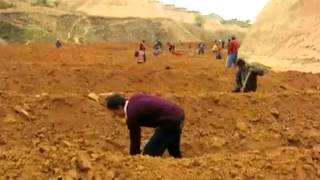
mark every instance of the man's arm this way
{"type": "Point", "coordinates": [135, 140]}
{"type": "Point", "coordinates": [238, 46]}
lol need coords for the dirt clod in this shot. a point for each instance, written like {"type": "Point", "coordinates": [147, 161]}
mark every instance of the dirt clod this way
{"type": "Point", "coordinates": [241, 125]}
{"type": "Point", "coordinates": [94, 97]}
{"type": "Point", "coordinates": [83, 161]}
{"type": "Point", "coordinates": [217, 142]}
{"type": "Point", "coordinates": [9, 118]}
{"type": "Point", "coordinates": [2, 141]}
{"type": "Point", "coordinates": [275, 112]}
{"type": "Point", "coordinates": [110, 174]}
{"type": "Point", "coordinates": [71, 175]}
{"type": "Point", "coordinates": [67, 143]}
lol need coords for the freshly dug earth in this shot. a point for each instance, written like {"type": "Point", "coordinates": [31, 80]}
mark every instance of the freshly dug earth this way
{"type": "Point", "coordinates": [51, 129]}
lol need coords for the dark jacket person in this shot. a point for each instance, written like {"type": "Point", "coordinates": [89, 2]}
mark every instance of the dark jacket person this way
{"type": "Point", "coordinates": [246, 77]}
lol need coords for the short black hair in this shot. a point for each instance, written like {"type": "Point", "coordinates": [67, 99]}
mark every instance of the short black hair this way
{"type": "Point", "coordinates": [241, 62]}
{"type": "Point", "coordinates": [115, 101]}
{"type": "Point", "coordinates": [233, 38]}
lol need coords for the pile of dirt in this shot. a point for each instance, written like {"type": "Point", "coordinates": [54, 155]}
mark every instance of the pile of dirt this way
{"type": "Point", "coordinates": [289, 42]}
{"type": "Point", "coordinates": [54, 126]}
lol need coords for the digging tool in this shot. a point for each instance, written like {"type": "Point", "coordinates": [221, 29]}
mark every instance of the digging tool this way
{"type": "Point", "coordinates": [246, 80]}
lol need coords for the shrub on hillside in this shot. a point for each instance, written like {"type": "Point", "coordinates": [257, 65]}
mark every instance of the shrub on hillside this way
{"type": "Point", "coordinates": [40, 3]}
{"type": "Point", "coordinates": [5, 5]}
{"type": "Point", "coordinates": [57, 2]}
{"type": "Point", "coordinates": [199, 20]}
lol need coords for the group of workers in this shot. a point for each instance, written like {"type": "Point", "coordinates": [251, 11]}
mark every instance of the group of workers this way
{"type": "Point", "coordinates": [140, 54]}
{"type": "Point", "coordinates": [166, 117]}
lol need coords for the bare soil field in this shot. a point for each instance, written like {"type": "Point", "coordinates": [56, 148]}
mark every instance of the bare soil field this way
{"type": "Point", "coordinates": [51, 129]}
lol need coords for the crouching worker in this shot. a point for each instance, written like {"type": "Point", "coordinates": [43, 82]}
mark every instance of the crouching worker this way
{"type": "Point", "coordinates": [148, 111]}
{"type": "Point", "coordinates": [157, 48]}
{"type": "Point", "coordinates": [246, 77]}
{"type": "Point", "coordinates": [58, 44]}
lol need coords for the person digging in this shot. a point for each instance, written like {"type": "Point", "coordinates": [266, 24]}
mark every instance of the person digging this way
{"type": "Point", "coordinates": [140, 111]}
{"type": "Point", "coordinates": [246, 77]}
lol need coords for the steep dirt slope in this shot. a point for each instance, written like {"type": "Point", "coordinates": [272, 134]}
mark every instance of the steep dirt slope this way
{"type": "Point", "coordinates": [285, 36]}
{"type": "Point", "coordinates": [153, 9]}
{"type": "Point", "coordinates": [146, 19]}
{"type": "Point", "coordinates": [39, 27]}
{"type": "Point", "coordinates": [117, 8]}
{"type": "Point", "coordinates": [225, 31]}
{"type": "Point", "coordinates": [131, 8]}
{"type": "Point", "coordinates": [50, 129]}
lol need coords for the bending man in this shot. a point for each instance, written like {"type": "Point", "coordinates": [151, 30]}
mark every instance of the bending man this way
{"type": "Point", "coordinates": [148, 111]}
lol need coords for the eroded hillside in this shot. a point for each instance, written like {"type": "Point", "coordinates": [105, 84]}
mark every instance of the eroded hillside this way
{"type": "Point", "coordinates": [285, 36]}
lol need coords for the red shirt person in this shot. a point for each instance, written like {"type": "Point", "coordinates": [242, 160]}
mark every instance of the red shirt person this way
{"type": "Point", "coordinates": [233, 47]}
{"type": "Point", "coordinates": [232, 52]}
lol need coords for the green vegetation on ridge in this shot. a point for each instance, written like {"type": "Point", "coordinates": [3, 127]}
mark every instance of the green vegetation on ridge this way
{"type": "Point", "coordinates": [5, 5]}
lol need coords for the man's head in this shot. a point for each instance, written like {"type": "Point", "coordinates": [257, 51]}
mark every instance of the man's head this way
{"type": "Point", "coordinates": [233, 38]}
{"type": "Point", "coordinates": [116, 103]}
{"type": "Point", "coordinates": [241, 63]}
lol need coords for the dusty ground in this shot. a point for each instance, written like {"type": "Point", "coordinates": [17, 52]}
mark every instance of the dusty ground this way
{"type": "Point", "coordinates": [50, 129]}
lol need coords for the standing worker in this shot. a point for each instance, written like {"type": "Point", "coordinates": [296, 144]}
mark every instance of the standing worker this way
{"type": "Point", "coordinates": [200, 48]}
{"type": "Point", "coordinates": [232, 52]}
{"type": "Point", "coordinates": [141, 55]}
{"type": "Point", "coordinates": [157, 48]}
{"type": "Point", "coordinates": [216, 50]}
{"type": "Point", "coordinates": [172, 47]}
{"type": "Point", "coordinates": [58, 43]}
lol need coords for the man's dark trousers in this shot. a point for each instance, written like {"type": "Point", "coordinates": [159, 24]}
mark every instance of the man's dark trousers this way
{"type": "Point", "coordinates": [162, 139]}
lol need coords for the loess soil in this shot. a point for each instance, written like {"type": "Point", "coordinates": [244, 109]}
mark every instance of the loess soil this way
{"type": "Point", "coordinates": [51, 129]}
